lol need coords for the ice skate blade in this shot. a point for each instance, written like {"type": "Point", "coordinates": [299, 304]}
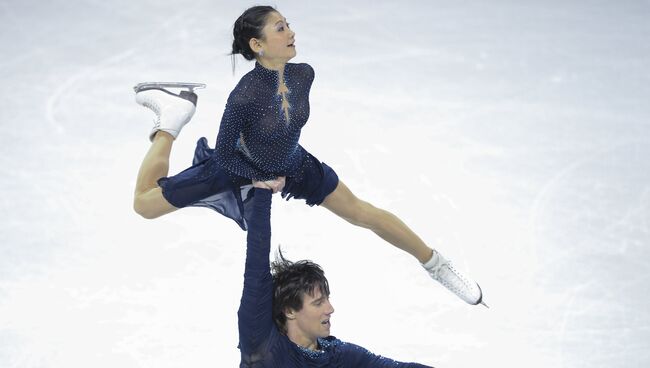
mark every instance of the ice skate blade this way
{"type": "Point", "coordinates": [162, 85]}
{"type": "Point", "coordinates": [480, 299]}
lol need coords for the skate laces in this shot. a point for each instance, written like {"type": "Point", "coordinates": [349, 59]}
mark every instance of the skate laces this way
{"type": "Point", "coordinates": [453, 280]}
{"type": "Point", "coordinates": [170, 107]}
{"type": "Point", "coordinates": [153, 106]}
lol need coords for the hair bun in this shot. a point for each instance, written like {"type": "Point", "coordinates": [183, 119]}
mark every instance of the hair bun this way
{"type": "Point", "coordinates": [249, 25]}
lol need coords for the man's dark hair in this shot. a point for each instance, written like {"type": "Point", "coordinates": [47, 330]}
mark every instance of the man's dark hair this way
{"type": "Point", "coordinates": [291, 280]}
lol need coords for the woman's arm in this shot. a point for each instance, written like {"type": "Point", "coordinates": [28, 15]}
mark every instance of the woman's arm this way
{"type": "Point", "coordinates": [232, 124]}
{"type": "Point", "coordinates": [256, 308]}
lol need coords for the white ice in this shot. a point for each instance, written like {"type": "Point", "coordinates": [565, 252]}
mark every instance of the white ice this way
{"type": "Point", "coordinates": [514, 136]}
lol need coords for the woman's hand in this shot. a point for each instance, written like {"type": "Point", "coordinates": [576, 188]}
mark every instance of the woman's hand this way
{"type": "Point", "coordinates": [276, 185]}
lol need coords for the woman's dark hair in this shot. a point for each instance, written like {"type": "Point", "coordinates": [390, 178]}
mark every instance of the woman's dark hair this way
{"type": "Point", "coordinates": [291, 280]}
{"type": "Point", "coordinates": [249, 25]}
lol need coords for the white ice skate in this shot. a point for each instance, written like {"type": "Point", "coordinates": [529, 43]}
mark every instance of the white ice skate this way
{"type": "Point", "coordinates": [444, 272]}
{"type": "Point", "coordinates": [172, 110]}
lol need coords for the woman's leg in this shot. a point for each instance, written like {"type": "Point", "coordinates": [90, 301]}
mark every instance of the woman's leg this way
{"type": "Point", "coordinates": [149, 201]}
{"type": "Point", "coordinates": [388, 226]}
{"type": "Point", "coordinates": [172, 111]}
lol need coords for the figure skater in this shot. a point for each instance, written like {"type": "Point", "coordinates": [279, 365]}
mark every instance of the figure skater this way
{"type": "Point", "coordinates": [258, 140]}
{"type": "Point", "coordinates": [285, 315]}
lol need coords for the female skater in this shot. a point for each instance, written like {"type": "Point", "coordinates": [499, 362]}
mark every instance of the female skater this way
{"type": "Point", "coordinates": [258, 140]}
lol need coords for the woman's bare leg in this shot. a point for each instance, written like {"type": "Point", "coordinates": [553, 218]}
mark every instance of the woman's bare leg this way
{"type": "Point", "coordinates": [148, 200]}
{"type": "Point", "coordinates": [388, 226]}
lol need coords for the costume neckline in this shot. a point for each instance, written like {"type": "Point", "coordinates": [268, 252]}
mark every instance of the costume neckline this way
{"type": "Point", "coordinates": [271, 73]}
{"type": "Point", "coordinates": [313, 354]}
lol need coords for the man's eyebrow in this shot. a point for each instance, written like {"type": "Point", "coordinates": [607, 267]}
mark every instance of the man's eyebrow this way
{"type": "Point", "coordinates": [319, 299]}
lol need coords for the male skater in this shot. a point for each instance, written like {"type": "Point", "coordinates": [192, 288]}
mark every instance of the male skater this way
{"type": "Point", "coordinates": [284, 317]}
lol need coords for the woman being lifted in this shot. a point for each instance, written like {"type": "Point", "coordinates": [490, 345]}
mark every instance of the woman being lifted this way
{"type": "Point", "coordinates": [258, 140]}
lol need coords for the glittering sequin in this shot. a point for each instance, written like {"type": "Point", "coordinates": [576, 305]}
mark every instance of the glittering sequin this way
{"type": "Point", "coordinates": [258, 139]}
{"type": "Point", "coordinates": [323, 346]}
{"type": "Point", "coordinates": [259, 132]}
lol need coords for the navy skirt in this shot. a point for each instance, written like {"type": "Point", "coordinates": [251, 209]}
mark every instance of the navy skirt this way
{"type": "Point", "coordinates": [207, 184]}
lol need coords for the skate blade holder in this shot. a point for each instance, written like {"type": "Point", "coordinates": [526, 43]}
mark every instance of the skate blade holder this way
{"type": "Point", "coordinates": [162, 85]}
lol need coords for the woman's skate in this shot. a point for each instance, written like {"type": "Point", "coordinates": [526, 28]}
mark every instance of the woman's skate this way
{"type": "Point", "coordinates": [172, 110]}
{"type": "Point", "coordinates": [455, 281]}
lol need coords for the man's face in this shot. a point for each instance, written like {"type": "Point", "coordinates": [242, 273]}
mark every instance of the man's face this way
{"type": "Point", "coordinates": [313, 320]}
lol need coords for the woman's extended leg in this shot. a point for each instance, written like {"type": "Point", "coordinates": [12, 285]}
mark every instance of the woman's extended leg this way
{"type": "Point", "coordinates": [149, 201]}
{"type": "Point", "coordinates": [172, 111]}
{"type": "Point", "coordinates": [388, 226]}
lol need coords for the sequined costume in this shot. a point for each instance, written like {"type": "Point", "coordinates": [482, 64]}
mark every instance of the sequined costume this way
{"type": "Point", "coordinates": [257, 139]}
{"type": "Point", "coordinates": [260, 342]}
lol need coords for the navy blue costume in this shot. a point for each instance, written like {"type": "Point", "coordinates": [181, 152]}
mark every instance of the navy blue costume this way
{"type": "Point", "coordinates": [258, 139]}
{"type": "Point", "coordinates": [260, 342]}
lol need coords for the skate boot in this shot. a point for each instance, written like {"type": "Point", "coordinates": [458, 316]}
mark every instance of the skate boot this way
{"type": "Point", "coordinates": [172, 110]}
{"type": "Point", "coordinates": [444, 272]}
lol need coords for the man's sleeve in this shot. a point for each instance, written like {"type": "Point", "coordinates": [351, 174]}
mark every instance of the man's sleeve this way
{"type": "Point", "coordinates": [357, 356]}
{"type": "Point", "coordinates": [256, 308]}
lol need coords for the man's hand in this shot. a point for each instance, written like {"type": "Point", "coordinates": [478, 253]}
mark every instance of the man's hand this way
{"type": "Point", "coordinates": [276, 185]}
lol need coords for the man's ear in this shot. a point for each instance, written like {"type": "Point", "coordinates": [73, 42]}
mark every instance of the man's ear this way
{"type": "Point", "coordinates": [290, 314]}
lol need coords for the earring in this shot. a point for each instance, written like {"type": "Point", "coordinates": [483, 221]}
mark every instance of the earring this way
{"type": "Point", "coordinates": [261, 53]}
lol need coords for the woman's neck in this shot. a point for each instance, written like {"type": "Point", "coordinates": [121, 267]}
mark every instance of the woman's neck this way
{"type": "Point", "coordinates": [278, 66]}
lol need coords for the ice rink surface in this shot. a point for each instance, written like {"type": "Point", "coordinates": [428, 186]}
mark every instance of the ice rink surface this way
{"type": "Point", "coordinates": [514, 136]}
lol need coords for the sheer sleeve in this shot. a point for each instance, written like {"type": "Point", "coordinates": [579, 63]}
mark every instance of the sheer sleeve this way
{"type": "Point", "coordinates": [255, 310]}
{"type": "Point", "coordinates": [232, 124]}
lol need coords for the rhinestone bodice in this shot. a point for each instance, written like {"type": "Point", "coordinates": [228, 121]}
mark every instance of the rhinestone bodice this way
{"type": "Point", "coordinates": [262, 121]}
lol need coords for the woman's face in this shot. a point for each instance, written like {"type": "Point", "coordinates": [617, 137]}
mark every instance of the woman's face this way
{"type": "Point", "coordinates": [278, 43]}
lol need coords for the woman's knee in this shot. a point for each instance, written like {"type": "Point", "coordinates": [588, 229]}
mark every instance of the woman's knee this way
{"type": "Point", "coordinates": [143, 208]}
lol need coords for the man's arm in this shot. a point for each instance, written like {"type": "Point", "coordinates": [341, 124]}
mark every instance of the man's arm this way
{"type": "Point", "coordinates": [357, 356]}
{"type": "Point", "coordinates": [256, 308]}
